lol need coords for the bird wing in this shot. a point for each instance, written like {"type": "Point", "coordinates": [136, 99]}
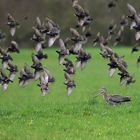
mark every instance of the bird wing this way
{"type": "Point", "coordinates": [51, 41]}
{"type": "Point", "coordinates": [118, 98]}
{"type": "Point", "coordinates": [38, 21]}
{"type": "Point", "coordinates": [111, 71]}
{"type": "Point", "coordinates": [2, 52]}
{"type": "Point", "coordinates": [78, 8]}
{"type": "Point", "coordinates": [12, 31]}
{"type": "Point", "coordinates": [36, 31]}
{"type": "Point", "coordinates": [35, 59]}
{"type": "Point", "coordinates": [14, 44]}
{"type": "Point", "coordinates": [131, 9]}
{"type": "Point", "coordinates": [74, 32]}
{"type": "Point", "coordinates": [62, 44]}
{"type": "Point", "coordinates": [74, 2]}
{"type": "Point", "coordinates": [137, 19]}
{"type": "Point", "coordinates": [27, 69]}
{"type": "Point", "coordinates": [10, 18]}
{"type": "Point", "coordinates": [69, 91]}
{"type": "Point", "coordinates": [67, 77]}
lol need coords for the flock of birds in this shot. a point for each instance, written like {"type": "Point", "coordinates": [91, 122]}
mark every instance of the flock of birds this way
{"type": "Point", "coordinates": [49, 31]}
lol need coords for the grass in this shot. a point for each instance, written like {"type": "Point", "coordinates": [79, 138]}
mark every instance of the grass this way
{"type": "Point", "coordinates": [25, 115]}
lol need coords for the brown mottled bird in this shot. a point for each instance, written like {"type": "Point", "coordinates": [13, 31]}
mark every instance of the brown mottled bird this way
{"type": "Point", "coordinates": [135, 17]}
{"type": "Point", "coordinates": [63, 51]}
{"type": "Point", "coordinates": [53, 32]}
{"type": "Point", "coordinates": [13, 48]}
{"type": "Point", "coordinates": [112, 65]}
{"type": "Point", "coordinates": [106, 51]}
{"type": "Point", "coordinates": [5, 57]}
{"type": "Point", "coordinates": [12, 23]}
{"type": "Point", "coordinates": [41, 26]}
{"type": "Point", "coordinates": [113, 99]}
{"type": "Point", "coordinates": [4, 80]}
{"type": "Point", "coordinates": [43, 86]}
{"type": "Point", "coordinates": [69, 83]}
{"type": "Point", "coordinates": [74, 2]}
{"type": "Point", "coordinates": [26, 75]}
{"type": "Point", "coordinates": [79, 40]}
{"type": "Point", "coordinates": [37, 66]}
{"type": "Point", "coordinates": [39, 38]}
{"type": "Point", "coordinates": [13, 69]}
{"type": "Point", "coordinates": [126, 78]}
{"type": "Point", "coordinates": [45, 80]}
{"type": "Point", "coordinates": [82, 59]}
{"type": "Point", "coordinates": [69, 67]}
{"type": "Point", "coordinates": [40, 55]}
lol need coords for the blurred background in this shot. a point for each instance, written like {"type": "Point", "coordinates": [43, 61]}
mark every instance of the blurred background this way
{"type": "Point", "coordinates": [62, 13]}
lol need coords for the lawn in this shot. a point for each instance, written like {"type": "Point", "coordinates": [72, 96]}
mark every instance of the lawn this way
{"type": "Point", "coordinates": [25, 115]}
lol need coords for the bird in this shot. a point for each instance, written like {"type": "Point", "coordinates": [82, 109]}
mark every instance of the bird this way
{"type": "Point", "coordinates": [111, 29]}
{"type": "Point", "coordinates": [132, 11]}
{"type": "Point", "coordinates": [13, 48]}
{"type": "Point", "coordinates": [69, 67]}
{"type": "Point", "coordinates": [13, 69]}
{"type": "Point", "coordinates": [97, 39]}
{"type": "Point", "coordinates": [138, 61]}
{"type": "Point", "coordinates": [63, 51]}
{"type": "Point", "coordinates": [5, 57]}
{"type": "Point", "coordinates": [79, 40]}
{"type": "Point", "coordinates": [113, 99]}
{"type": "Point", "coordinates": [135, 17]}
{"type": "Point", "coordinates": [37, 66]}
{"type": "Point", "coordinates": [45, 80]}
{"type": "Point", "coordinates": [2, 36]}
{"type": "Point", "coordinates": [51, 78]}
{"type": "Point", "coordinates": [53, 31]}
{"type": "Point", "coordinates": [41, 26]}
{"type": "Point", "coordinates": [134, 49]}
{"type": "Point", "coordinates": [40, 55]}
{"type": "Point", "coordinates": [26, 75]}
{"type": "Point", "coordinates": [39, 38]}
{"type": "Point", "coordinates": [12, 23]}
{"type": "Point", "coordinates": [5, 80]}
{"type": "Point", "coordinates": [121, 61]}
{"type": "Point", "coordinates": [125, 78]}
{"type": "Point", "coordinates": [112, 65]}
{"type": "Point", "coordinates": [74, 2]}
{"type": "Point", "coordinates": [118, 37]}
{"type": "Point", "coordinates": [82, 59]}
{"type": "Point", "coordinates": [106, 51]}
{"type": "Point", "coordinates": [43, 86]}
{"type": "Point", "coordinates": [111, 5]}
{"type": "Point", "coordinates": [123, 22]}
{"type": "Point", "coordinates": [104, 41]}
{"type": "Point", "coordinates": [70, 84]}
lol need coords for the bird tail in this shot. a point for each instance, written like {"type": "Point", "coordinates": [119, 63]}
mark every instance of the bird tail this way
{"type": "Point", "coordinates": [126, 99]}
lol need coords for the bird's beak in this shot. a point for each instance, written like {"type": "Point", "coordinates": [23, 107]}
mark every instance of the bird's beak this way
{"type": "Point", "coordinates": [96, 95]}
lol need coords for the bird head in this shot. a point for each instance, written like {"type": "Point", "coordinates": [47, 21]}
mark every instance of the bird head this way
{"type": "Point", "coordinates": [103, 91]}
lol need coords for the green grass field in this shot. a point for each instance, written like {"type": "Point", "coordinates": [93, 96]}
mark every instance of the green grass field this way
{"type": "Point", "coordinates": [25, 115]}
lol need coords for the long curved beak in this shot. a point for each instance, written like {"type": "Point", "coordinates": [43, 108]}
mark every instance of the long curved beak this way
{"type": "Point", "coordinates": [96, 95]}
